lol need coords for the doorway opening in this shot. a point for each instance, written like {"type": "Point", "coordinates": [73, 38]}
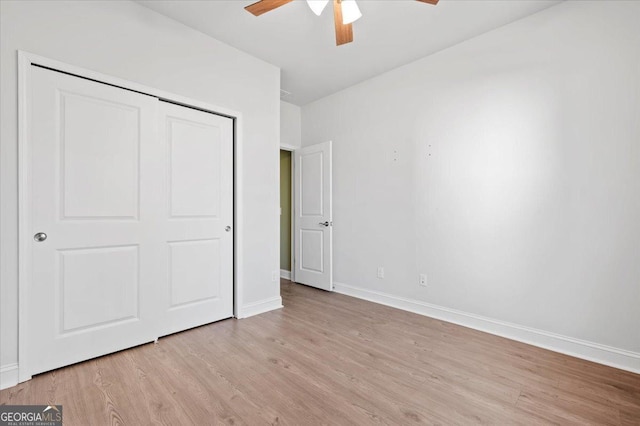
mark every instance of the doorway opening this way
{"type": "Point", "coordinates": [285, 214]}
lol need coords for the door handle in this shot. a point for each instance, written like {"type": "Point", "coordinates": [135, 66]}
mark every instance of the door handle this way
{"type": "Point", "coordinates": [324, 223]}
{"type": "Point", "coordinates": [40, 237]}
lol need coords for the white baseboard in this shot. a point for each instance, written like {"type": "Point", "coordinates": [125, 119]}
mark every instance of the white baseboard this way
{"type": "Point", "coordinates": [602, 354]}
{"type": "Point", "coordinates": [260, 307]}
{"type": "Point", "coordinates": [285, 274]}
{"type": "Point", "coordinates": [8, 376]}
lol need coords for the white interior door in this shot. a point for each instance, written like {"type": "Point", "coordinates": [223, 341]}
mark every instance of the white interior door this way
{"type": "Point", "coordinates": [92, 192]}
{"type": "Point", "coordinates": [197, 221]}
{"type": "Point", "coordinates": [313, 251]}
{"type": "Point", "coordinates": [134, 196]}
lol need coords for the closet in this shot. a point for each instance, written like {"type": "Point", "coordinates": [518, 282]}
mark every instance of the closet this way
{"type": "Point", "coordinates": [130, 204]}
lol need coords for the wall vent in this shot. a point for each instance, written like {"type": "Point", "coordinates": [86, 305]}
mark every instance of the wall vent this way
{"type": "Point", "coordinates": [284, 94]}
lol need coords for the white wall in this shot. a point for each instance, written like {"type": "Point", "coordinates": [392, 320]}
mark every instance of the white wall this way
{"type": "Point", "coordinates": [506, 168]}
{"type": "Point", "coordinates": [126, 40]}
{"type": "Point", "coordinates": [290, 125]}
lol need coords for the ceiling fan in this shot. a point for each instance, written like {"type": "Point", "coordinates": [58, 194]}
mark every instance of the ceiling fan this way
{"type": "Point", "coordinates": [345, 12]}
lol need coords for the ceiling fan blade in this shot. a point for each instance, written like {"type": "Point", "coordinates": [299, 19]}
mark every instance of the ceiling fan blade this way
{"type": "Point", "coordinates": [433, 2]}
{"type": "Point", "coordinates": [264, 6]}
{"type": "Point", "coordinates": [344, 33]}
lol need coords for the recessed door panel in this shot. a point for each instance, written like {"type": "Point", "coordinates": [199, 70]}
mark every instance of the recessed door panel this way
{"type": "Point", "coordinates": [311, 250]}
{"type": "Point", "coordinates": [195, 168]}
{"type": "Point", "coordinates": [195, 271]}
{"type": "Point", "coordinates": [99, 143]}
{"type": "Point", "coordinates": [98, 287]}
{"type": "Point", "coordinates": [311, 176]}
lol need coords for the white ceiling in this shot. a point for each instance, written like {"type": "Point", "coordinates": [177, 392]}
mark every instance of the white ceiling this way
{"type": "Point", "coordinates": [391, 33]}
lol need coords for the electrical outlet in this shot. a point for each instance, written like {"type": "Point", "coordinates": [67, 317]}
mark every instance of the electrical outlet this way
{"type": "Point", "coordinates": [274, 276]}
{"type": "Point", "coordinates": [423, 280]}
{"type": "Point", "coordinates": [380, 272]}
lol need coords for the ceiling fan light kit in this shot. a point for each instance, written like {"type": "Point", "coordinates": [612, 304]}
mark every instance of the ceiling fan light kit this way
{"type": "Point", "coordinates": [345, 13]}
{"type": "Point", "coordinates": [350, 11]}
{"type": "Point", "coordinates": [317, 6]}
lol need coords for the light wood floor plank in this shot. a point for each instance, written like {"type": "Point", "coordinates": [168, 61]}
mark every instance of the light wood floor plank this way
{"type": "Point", "coordinates": [331, 359]}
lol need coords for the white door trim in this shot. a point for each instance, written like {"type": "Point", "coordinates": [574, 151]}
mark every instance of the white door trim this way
{"type": "Point", "coordinates": [290, 148]}
{"type": "Point", "coordinates": [25, 61]}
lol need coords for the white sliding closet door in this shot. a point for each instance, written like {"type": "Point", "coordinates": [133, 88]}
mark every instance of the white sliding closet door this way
{"type": "Point", "coordinates": [198, 216]}
{"type": "Point", "coordinates": [92, 192]}
{"type": "Point", "coordinates": [128, 203]}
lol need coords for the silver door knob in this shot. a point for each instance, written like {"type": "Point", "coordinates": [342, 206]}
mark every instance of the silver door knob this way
{"type": "Point", "coordinates": [227, 228]}
{"type": "Point", "coordinates": [40, 237]}
{"type": "Point", "coordinates": [324, 223]}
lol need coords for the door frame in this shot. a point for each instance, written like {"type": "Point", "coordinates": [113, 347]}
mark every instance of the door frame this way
{"type": "Point", "coordinates": [292, 150]}
{"type": "Point", "coordinates": [25, 61]}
